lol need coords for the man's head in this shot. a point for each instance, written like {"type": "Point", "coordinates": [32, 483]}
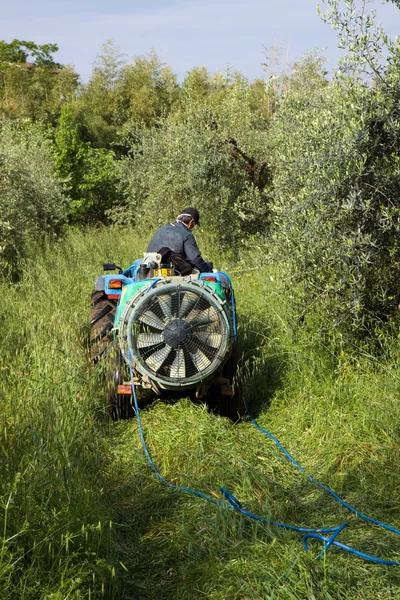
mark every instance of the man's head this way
{"type": "Point", "coordinates": [190, 216]}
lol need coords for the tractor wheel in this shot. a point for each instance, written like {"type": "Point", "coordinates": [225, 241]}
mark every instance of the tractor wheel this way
{"type": "Point", "coordinates": [119, 405]}
{"type": "Point", "coordinates": [102, 315]}
{"type": "Point", "coordinates": [229, 404]}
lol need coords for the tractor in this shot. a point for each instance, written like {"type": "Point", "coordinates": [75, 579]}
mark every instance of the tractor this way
{"type": "Point", "coordinates": [154, 328]}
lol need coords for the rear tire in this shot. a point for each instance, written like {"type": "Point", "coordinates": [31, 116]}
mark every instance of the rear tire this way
{"type": "Point", "coordinates": [119, 406]}
{"type": "Point", "coordinates": [229, 405]}
{"type": "Point", "coordinates": [102, 315]}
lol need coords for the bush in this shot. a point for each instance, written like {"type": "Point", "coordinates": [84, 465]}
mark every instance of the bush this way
{"type": "Point", "coordinates": [90, 175]}
{"type": "Point", "coordinates": [31, 200]}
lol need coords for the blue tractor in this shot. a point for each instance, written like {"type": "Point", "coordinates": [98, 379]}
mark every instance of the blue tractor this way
{"type": "Point", "coordinates": [156, 329]}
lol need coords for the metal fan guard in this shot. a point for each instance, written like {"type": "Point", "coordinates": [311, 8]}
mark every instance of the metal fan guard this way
{"type": "Point", "coordinates": [177, 334]}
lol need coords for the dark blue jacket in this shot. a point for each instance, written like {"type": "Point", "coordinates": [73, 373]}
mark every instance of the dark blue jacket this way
{"type": "Point", "coordinates": [181, 240]}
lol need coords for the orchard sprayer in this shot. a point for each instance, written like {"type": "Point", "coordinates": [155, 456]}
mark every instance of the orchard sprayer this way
{"type": "Point", "coordinates": [156, 329]}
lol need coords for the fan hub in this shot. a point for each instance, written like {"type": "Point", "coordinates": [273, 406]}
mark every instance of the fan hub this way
{"type": "Point", "coordinates": [176, 332]}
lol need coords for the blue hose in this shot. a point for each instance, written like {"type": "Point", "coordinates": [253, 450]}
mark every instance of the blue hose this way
{"type": "Point", "coordinates": [324, 487]}
{"type": "Point", "coordinates": [235, 504]}
{"type": "Point", "coordinates": [311, 534]}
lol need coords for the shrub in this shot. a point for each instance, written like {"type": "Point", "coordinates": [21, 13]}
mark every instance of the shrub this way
{"type": "Point", "coordinates": [31, 199]}
{"type": "Point", "coordinates": [89, 174]}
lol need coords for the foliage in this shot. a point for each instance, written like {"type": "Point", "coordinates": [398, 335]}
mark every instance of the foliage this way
{"type": "Point", "coordinates": [118, 91]}
{"type": "Point", "coordinates": [98, 99]}
{"type": "Point", "coordinates": [147, 89]}
{"type": "Point", "coordinates": [336, 199]}
{"type": "Point", "coordinates": [211, 158]}
{"type": "Point", "coordinates": [200, 88]}
{"type": "Point", "coordinates": [18, 51]}
{"type": "Point", "coordinates": [33, 90]}
{"type": "Point", "coordinates": [368, 48]}
{"type": "Point", "coordinates": [90, 174]}
{"type": "Point", "coordinates": [31, 200]}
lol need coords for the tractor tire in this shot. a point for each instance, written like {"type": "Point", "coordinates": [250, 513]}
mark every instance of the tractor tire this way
{"type": "Point", "coordinates": [229, 405]}
{"type": "Point", "coordinates": [102, 315]}
{"type": "Point", "coordinates": [119, 406]}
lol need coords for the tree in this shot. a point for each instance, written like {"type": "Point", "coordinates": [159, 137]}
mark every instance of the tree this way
{"type": "Point", "coordinates": [89, 174]}
{"type": "Point", "coordinates": [98, 100]}
{"type": "Point", "coordinates": [210, 155]}
{"type": "Point", "coordinates": [18, 51]}
{"type": "Point", "coordinates": [35, 89]}
{"type": "Point", "coordinates": [368, 48]}
{"type": "Point", "coordinates": [147, 89]}
{"type": "Point", "coordinates": [32, 204]}
{"type": "Point", "coordinates": [119, 92]}
{"type": "Point", "coordinates": [336, 184]}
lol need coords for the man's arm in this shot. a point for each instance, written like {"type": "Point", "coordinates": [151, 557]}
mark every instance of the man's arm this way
{"type": "Point", "coordinates": [193, 254]}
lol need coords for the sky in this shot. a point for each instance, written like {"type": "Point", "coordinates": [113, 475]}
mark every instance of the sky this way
{"type": "Point", "coordinates": [218, 34]}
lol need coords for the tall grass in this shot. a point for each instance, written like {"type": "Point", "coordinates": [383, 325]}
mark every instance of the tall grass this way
{"type": "Point", "coordinates": [57, 514]}
{"type": "Point", "coordinates": [83, 515]}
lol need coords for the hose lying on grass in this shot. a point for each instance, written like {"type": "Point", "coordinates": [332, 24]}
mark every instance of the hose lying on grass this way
{"type": "Point", "coordinates": [235, 504]}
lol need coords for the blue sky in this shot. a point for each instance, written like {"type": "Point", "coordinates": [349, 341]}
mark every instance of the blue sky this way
{"type": "Point", "coordinates": [184, 33]}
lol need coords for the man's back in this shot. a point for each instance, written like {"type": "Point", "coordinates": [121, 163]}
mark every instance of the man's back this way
{"type": "Point", "coordinates": [180, 239]}
{"type": "Point", "coordinates": [172, 235]}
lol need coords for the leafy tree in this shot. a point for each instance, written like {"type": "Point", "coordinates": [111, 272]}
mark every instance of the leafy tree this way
{"type": "Point", "coordinates": [197, 85]}
{"type": "Point", "coordinates": [18, 51]}
{"type": "Point", "coordinates": [33, 90]}
{"type": "Point", "coordinates": [366, 43]}
{"type": "Point", "coordinates": [31, 201]}
{"type": "Point", "coordinates": [99, 98]}
{"type": "Point", "coordinates": [211, 157]}
{"type": "Point", "coordinates": [200, 87]}
{"type": "Point", "coordinates": [336, 164]}
{"type": "Point", "coordinates": [89, 174]}
{"type": "Point", "coordinates": [147, 89]}
{"type": "Point", "coordinates": [118, 92]}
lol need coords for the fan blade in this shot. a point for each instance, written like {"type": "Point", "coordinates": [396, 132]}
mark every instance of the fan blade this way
{"type": "Point", "coordinates": [188, 302]}
{"type": "Point", "coordinates": [178, 368]}
{"type": "Point", "coordinates": [214, 340]}
{"type": "Point", "coordinates": [165, 304]}
{"type": "Point", "coordinates": [155, 361]}
{"type": "Point", "coordinates": [199, 359]}
{"type": "Point", "coordinates": [204, 317]}
{"type": "Point", "coordinates": [149, 318]}
{"type": "Point", "coordinates": [145, 340]}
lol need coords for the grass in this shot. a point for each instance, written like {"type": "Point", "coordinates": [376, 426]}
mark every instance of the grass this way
{"type": "Point", "coordinates": [83, 515]}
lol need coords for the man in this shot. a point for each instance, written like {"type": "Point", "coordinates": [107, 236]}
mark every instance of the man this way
{"type": "Point", "coordinates": [179, 238]}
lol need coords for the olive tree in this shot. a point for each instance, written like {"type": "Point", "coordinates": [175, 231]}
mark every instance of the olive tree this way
{"type": "Point", "coordinates": [212, 157]}
{"type": "Point", "coordinates": [31, 199]}
{"type": "Point", "coordinates": [337, 188]}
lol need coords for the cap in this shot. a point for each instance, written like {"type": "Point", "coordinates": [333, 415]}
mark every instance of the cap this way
{"type": "Point", "coordinates": [191, 212]}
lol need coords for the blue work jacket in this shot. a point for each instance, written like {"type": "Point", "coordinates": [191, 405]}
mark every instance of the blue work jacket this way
{"type": "Point", "coordinates": [181, 240]}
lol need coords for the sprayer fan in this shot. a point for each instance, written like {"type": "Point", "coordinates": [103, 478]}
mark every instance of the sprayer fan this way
{"type": "Point", "coordinates": [178, 333]}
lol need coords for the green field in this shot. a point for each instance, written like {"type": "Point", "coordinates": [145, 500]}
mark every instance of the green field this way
{"type": "Point", "coordinates": [84, 516]}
